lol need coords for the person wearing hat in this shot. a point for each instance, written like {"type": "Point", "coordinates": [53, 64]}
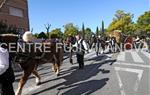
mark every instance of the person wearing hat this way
{"type": "Point", "coordinates": [27, 37]}
{"type": "Point", "coordinates": [6, 72]}
{"type": "Point", "coordinates": [29, 45]}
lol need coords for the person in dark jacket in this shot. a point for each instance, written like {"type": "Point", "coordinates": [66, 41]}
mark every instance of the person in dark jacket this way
{"type": "Point", "coordinates": [6, 72]}
{"type": "Point", "coordinates": [81, 48]}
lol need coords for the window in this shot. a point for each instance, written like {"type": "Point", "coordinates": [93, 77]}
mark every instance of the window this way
{"type": "Point", "coordinates": [15, 12]}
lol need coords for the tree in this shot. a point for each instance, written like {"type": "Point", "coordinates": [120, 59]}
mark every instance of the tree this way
{"type": "Point", "coordinates": [122, 21]}
{"type": "Point", "coordinates": [88, 34]}
{"type": "Point", "coordinates": [83, 31]}
{"type": "Point", "coordinates": [36, 35]}
{"type": "Point", "coordinates": [70, 30]}
{"type": "Point", "coordinates": [102, 30]}
{"type": "Point", "coordinates": [42, 35]}
{"type": "Point", "coordinates": [56, 33]}
{"type": "Point", "coordinates": [143, 23]}
{"type": "Point", "coordinates": [48, 29]}
{"type": "Point", "coordinates": [97, 31]}
{"type": "Point", "coordinates": [103, 27]}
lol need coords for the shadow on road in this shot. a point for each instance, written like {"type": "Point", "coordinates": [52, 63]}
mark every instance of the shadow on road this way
{"type": "Point", "coordinates": [42, 74]}
{"type": "Point", "coordinates": [78, 80]}
{"type": "Point", "coordinates": [86, 88]}
{"type": "Point", "coordinates": [99, 58]}
{"type": "Point", "coordinates": [103, 58]}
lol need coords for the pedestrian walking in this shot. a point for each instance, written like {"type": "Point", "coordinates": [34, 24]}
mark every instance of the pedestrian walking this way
{"type": "Point", "coordinates": [137, 42]}
{"type": "Point", "coordinates": [81, 48]}
{"type": "Point", "coordinates": [97, 48]}
{"type": "Point", "coordinates": [113, 44]}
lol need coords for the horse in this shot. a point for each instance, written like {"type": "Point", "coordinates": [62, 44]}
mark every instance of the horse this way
{"type": "Point", "coordinates": [29, 66]}
{"type": "Point", "coordinates": [69, 48]}
{"type": "Point", "coordinates": [99, 44]}
{"type": "Point", "coordinates": [93, 41]}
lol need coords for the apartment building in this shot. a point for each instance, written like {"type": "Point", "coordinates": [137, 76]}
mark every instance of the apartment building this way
{"type": "Point", "coordinates": [15, 13]}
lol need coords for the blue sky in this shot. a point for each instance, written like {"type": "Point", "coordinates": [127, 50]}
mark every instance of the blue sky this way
{"type": "Point", "coordinates": [91, 12]}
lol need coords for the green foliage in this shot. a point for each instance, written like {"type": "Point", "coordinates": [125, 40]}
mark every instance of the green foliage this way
{"type": "Point", "coordinates": [97, 31]}
{"type": "Point", "coordinates": [56, 33]}
{"type": "Point", "coordinates": [5, 29]}
{"type": "Point", "coordinates": [103, 27]}
{"type": "Point", "coordinates": [70, 30]}
{"type": "Point", "coordinates": [42, 35]}
{"type": "Point", "coordinates": [102, 30]}
{"type": "Point", "coordinates": [143, 23]}
{"type": "Point", "coordinates": [88, 33]}
{"type": "Point", "coordinates": [122, 21]}
{"type": "Point", "coordinates": [36, 35]}
{"type": "Point", "coordinates": [83, 31]}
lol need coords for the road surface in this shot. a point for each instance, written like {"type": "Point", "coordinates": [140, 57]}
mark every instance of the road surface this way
{"type": "Point", "coordinates": [124, 73]}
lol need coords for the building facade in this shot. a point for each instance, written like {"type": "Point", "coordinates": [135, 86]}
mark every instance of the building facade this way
{"type": "Point", "coordinates": [15, 13]}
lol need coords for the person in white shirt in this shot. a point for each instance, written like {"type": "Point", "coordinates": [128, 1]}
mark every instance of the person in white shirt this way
{"type": "Point", "coordinates": [4, 60]}
{"type": "Point", "coordinates": [81, 48]}
{"type": "Point", "coordinates": [6, 72]}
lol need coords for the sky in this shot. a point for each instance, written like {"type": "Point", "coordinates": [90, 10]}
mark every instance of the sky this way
{"type": "Point", "coordinates": [90, 12]}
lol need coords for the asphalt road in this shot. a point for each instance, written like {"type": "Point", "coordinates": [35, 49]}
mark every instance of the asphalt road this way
{"type": "Point", "coordinates": [124, 73]}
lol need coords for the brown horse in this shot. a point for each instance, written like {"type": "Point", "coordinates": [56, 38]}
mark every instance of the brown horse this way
{"type": "Point", "coordinates": [68, 45]}
{"type": "Point", "coordinates": [30, 63]}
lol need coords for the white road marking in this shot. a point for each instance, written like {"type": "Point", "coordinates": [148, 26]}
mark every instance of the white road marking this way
{"type": "Point", "coordinates": [146, 54]}
{"type": "Point", "coordinates": [121, 56]}
{"type": "Point", "coordinates": [132, 64]}
{"type": "Point", "coordinates": [120, 83]}
{"type": "Point", "coordinates": [136, 57]}
{"type": "Point", "coordinates": [137, 71]}
{"type": "Point", "coordinates": [123, 92]}
{"type": "Point", "coordinates": [119, 79]}
{"type": "Point", "coordinates": [128, 50]}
